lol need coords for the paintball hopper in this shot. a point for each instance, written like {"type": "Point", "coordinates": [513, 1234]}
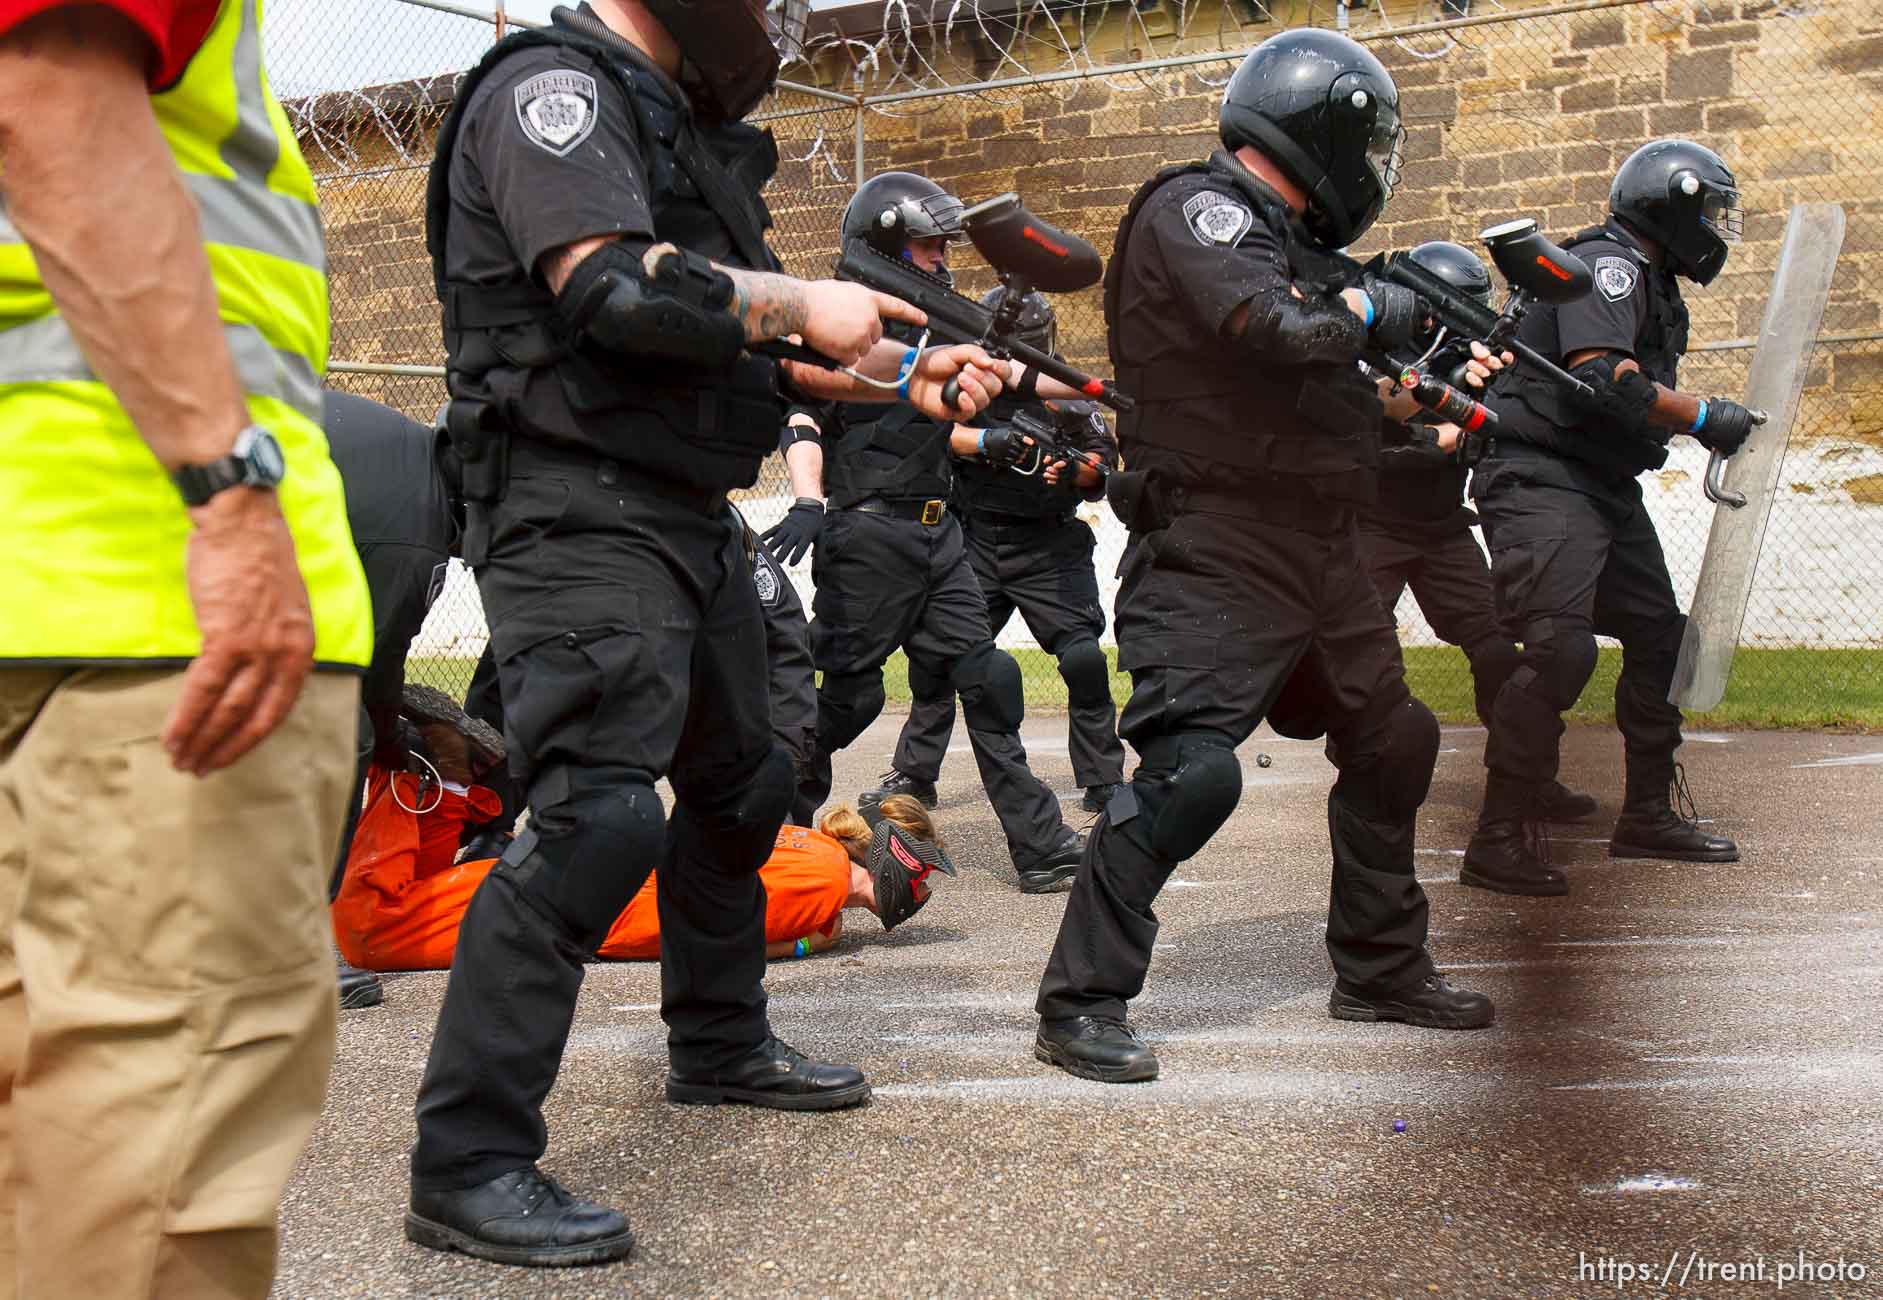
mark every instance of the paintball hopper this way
{"type": "Point", "coordinates": [1532, 263]}
{"type": "Point", "coordinates": [1017, 243]}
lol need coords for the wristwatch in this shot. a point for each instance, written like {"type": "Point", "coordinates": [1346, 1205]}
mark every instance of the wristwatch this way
{"type": "Point", "coordinates": [256, 461]}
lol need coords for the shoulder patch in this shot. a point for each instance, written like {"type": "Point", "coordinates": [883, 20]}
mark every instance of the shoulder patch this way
{"type": "Point", "coordinates": [1615, 277]}
{"type": "Point", "coordinates": [766, 579]}
{"type": "Point", "coordinates": [557, 109]}
{"type": "Point", "coordinates": [1216, 218]}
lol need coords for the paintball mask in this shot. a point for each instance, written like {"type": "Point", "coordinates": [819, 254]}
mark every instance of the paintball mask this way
{"type": "Point", "coordinates": [900, 864]}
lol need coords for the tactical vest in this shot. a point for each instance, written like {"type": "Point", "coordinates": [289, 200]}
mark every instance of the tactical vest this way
{"type": "Point", "coordinates": [1218, 402]}
{"type": "Point", "coordinates": [1420, 484]}
{"type": "Point", "coordinates": [94, 532]}
{"type": "Point", "coordinates": [505, 343]}
{"type": "Point", "coordinates": [892, 452]}
{"type": "Point", "coordinates": [1000, 492]}
{"type": "Point", "coordinates": [1547, 419]}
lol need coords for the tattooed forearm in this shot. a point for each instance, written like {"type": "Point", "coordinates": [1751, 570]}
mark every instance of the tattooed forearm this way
{"type": "Point", "coordinates": [771, 305]}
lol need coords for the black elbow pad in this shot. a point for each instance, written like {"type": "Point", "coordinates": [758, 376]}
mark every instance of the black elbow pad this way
{"type": "Point", "coordinates": [1286, 330]}
{"type": "Point", "coordinates": [679, 314]}
{"type": "Point", "coordinates": [1620, 402]}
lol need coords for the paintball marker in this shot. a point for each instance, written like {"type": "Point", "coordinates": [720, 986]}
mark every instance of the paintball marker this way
{"type": "Point", "coordinates": [1537, 271]}
{"type": "Point", "coordinates": [1042, 446]}
{"type": "Point", "coordinates": [1028, 254]}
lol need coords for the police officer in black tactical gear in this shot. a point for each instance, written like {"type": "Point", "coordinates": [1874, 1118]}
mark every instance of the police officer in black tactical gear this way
{"type": "Point", "coordinates": [1418, 531]}
{"type": "Point", "coordinates": [1031, 552]}
{"type": "Point", "coordinates": [1244, 594]}
{"type": "Point", "coordinates": [891, 569]}
{"type": "Point", "coordinates": [1574, 553]}
{"type": "Point", "coordinates": [598, 246]}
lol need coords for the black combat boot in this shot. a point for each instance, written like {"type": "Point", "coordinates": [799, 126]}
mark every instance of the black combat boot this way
{"type": "Point", "coordinates": [1508, 852]}
{"type": "Point", "coordinates": [1432, 1003]}
{"type": "Point", "coordinates": [774, 1075]}
{"type": "Point", "coordinates": [895, 782]}
{"type": "Point", "coordinates": [358, 988]}
{"type": "Point", "coordinates": [1055, 869]}
{"type": "Point", "coordinates": [1556, 802]}
{"type": "Point", "coordinates": [1095, 1047]}
{"type": "Point", "coordinates": [1658, 820]}
{"type": "Point", "coordinates": [522, 1217]}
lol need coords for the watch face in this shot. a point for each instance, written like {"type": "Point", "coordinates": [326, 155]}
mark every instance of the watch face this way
{"type": "Point", "coordinates": [264, 464]}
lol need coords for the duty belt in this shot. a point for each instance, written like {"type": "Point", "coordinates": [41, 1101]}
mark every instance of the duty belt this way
{"type": "Point", "coordinates": [930, 512]}
{"type": "Point", "coordinates": [534, 455]}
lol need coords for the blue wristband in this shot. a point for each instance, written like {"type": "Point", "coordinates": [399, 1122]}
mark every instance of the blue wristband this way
{"type": "Point", "coordinates": [903, 372]}
{"type": "Point", "coordinates": [1367, 299]}
{"type": "Point", "coordinates": [980, 444]}
{"type": "Point", "coordinates": [1699, 419]}
{"type": "Point", "coordinates": [801, 949]}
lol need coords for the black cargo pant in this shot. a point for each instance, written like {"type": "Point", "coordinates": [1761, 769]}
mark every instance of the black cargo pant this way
{"type": "Point", "coordinates": [1223, 621]}
{"type": "Point", "coordinates": [1573, 557]}
{"type": "Point", "coordinates": [629, 645]}
{"type": "Point", "coordinates": [885, 582]}
{"type": "Point", "coordinates": [1451, 581]}
{"type": "Point", "coordinates": [1043, 568]}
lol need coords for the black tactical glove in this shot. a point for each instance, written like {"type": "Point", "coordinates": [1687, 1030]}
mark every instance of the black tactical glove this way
{"type": "Point", "coordinates": [1397, 312]}
{"type": "Point", "coordinates": [792, 537]}
{"type": "Point", "coordinates": [1003, 446]}
{"type": "Point", "coordinates": [1726, 427]}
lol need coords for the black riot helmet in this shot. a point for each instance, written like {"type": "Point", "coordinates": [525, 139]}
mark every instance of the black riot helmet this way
{"type": "Point", "coordinates": [1327, 113]}
{"type": "Point", "coordinates": [1457, 266]}
{"type": "Point", "coordinates": [1038, 326]}
{"type": "Point", "coordinates": [1682, 196]}
{"type": "Point", "coordinates": [891, 208]}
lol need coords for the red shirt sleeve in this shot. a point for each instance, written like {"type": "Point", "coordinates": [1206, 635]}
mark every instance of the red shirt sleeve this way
{"type": "Point", "coordinates": [175, 28]}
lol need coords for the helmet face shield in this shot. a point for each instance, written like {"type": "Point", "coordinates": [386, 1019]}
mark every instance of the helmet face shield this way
{"type": "Point", "coordinates": [1720, 212]}
{"type": "Point", "coordinates": [935, 215]}
{"type": "Point", "coordinates": [1386, 152]}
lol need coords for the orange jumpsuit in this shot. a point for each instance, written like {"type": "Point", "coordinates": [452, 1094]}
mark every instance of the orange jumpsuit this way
{"type": "Point", "coordinates": [399, 906]}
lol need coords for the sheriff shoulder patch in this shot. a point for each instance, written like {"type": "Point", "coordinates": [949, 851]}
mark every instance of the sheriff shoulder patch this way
{"type": "Point", "coordinates": [1216, 218]}
{"type": "Point", "coordinates": [1615, 277]}
{"type": "Point", "coordinates": [557, 110]}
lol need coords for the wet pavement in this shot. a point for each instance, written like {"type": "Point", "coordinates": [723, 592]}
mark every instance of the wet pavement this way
{"type": "Point", "coordinates": [1684, 1085]}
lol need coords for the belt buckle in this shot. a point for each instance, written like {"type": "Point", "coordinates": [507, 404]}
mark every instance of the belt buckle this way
{"type": "Point", "coordinates": [932, 511]}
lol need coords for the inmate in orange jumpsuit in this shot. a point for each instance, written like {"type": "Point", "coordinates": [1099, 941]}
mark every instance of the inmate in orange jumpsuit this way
{"type": "Point", "coordinates": [402, 898]}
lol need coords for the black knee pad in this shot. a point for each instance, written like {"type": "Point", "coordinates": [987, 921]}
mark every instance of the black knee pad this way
{"type": "Point", "coordinates": [992, 695]}
{"type": "Point", "coordinates": [1087, 673]}
{"type": "Point", "coordinates": [1184, 790]}
{"type": "Point", "coordinates": [1387, 757]}
{"type": "Point", "coordinates": [738, 831]}
{"type": "Point", "coordinates": [846, 705]}
{"type": "Point", "coordinates": [584, 858]}
{"type": "Point", "coordinates": [928, 681]}
{"type": "Point", "coordinates": [1562, 652]}
{"type": "Point", "coordinates": [1492, 663]}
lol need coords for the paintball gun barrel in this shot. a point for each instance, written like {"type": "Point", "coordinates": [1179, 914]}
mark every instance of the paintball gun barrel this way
{"type": "Point", "coordinates": [1028, 254]}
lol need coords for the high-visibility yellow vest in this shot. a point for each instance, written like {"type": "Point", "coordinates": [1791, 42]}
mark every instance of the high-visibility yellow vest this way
{"type": "Point", "coordinates": [92, 531]}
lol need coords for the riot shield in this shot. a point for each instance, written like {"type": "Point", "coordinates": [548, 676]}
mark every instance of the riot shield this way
{"type": "Point", "coordinates": [1787, 336]}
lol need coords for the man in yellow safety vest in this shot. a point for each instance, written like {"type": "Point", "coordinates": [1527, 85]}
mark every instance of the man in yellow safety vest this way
{"type": "Point", "coordinates": [183, 623]}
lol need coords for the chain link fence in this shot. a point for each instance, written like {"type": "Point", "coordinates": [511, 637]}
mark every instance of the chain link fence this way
{"type": "Point", "coordinates": [1510, 111]}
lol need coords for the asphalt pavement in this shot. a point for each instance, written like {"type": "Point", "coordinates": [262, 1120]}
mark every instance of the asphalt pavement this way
{"type": "Point", "coordinates": [1682, 1095]}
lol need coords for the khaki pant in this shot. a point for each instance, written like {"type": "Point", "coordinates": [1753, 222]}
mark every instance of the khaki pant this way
{"type": "Point", "coordinates": [166, 984]}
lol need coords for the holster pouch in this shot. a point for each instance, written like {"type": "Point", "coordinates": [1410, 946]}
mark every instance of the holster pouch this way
{"type": "Point", "coordinates": [1139, 501]}
{"type": "Point", "coordinates": [484, 450]}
